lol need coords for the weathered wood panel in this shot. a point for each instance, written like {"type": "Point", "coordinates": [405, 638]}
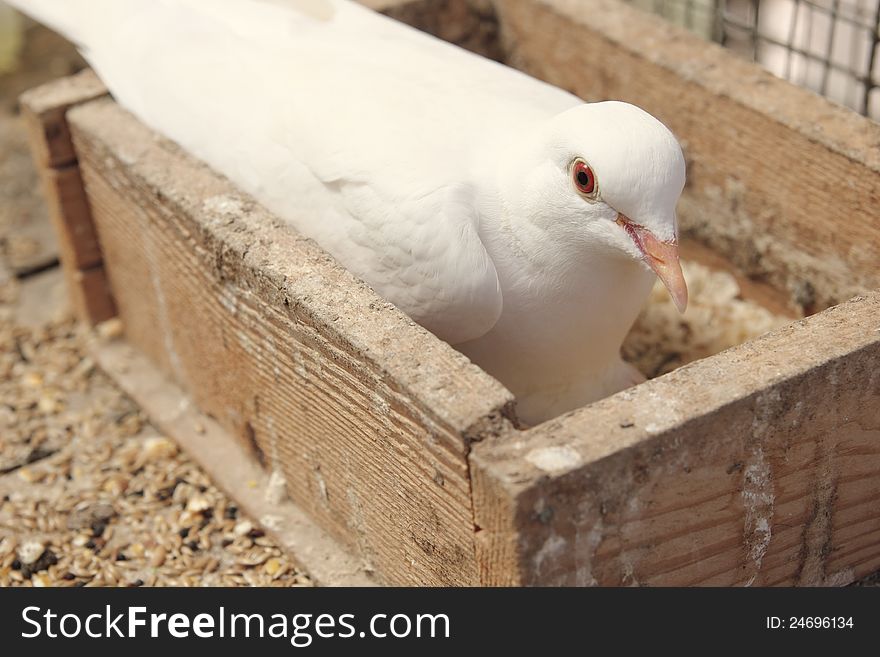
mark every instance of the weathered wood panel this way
{"type": "Point", "coordinates": [367, 415]}
{"type": "Point", "coordinates": [45, 110]}
{"type": "Point", "coordinates": [760, 465]}
{"type": "Point", "coordinates": [69, 207]}
{"type": "Point", "coordinates": [230, 466]}
{"type": "Point", "coordinates": [784, 183]}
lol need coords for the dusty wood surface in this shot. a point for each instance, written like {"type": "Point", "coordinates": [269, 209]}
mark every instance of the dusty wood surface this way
{"type": "Point", "coordinates": [230, 465]}
{"type": "Point", "coordinates": [69, 208]}
{"type": "Point", "coordinates": [760, 465]}
{"type": "Point", "coordinates": [781, 181]}
{"type": "Point", "coordinates": [367, 415]}
{"type": "Point", "coordinates": [44, 110]}
{"type": "Point", "coordinates": [90, 294]}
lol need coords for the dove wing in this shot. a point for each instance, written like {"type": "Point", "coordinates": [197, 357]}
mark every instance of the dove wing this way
{"type": "Point", "coordinates": [424, 253]}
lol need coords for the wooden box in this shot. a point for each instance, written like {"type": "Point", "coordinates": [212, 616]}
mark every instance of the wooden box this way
{"type": "Point", "coordinates": [379, 454]}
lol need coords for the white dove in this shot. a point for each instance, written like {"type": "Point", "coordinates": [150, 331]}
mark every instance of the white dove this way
{"type": "Point", "coordinates": [505, 215]}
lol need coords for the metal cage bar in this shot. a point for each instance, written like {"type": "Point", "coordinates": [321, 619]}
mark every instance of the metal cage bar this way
{"type": "Point", "coordinates": [829, 46]}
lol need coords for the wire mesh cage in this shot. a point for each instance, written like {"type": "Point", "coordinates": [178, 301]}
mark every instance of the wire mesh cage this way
{"type": "Point", "coordinates": [829, 46]}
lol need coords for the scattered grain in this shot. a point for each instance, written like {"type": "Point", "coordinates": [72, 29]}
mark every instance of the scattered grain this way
{"type": "Point", "coordinates": [110, 330]}
{"type": "Point", "coordinates": [30, 551]}
{"type": "Point", "coordinates": [93, 495]}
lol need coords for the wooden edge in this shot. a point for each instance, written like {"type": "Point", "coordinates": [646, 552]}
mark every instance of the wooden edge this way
{"type": "Point", "coordinates": [781, 181]}
{"type": "Point", "coordinates": [45, 112]}
{"type": "Point", "coordinates": [229, 465]}
{"type": "Point", "coordinates": [90, 294]}
{"type": "Point", "coordinates": [44, 108]}
{"type": "Point", "coordinates": [793, 406]}
{"type": "Point", "coordinates": [657, 407]}
{"type": "Point", "coordinates": [69, 210]}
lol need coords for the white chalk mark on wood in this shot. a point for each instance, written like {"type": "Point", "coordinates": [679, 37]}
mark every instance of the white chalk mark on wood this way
{"type": "Point", "coordinates": [276, 489]}
{"type": "Point", "coordinates": [758, 500]}
{"type": "Point", "coordinates": [224, 206]}
{"type": "Point", "coordinates": [840, 578]}
{"type": "Point", "coordinates": [322, 487]}
{"type": "Point", "coordinates": [554, 459]}
{"type": "Point", "coordinates": [818, 530]}
{"type": "Point", "coordinates": [586, 544]}
{"type": "Point", "coordinates": [552, 548]}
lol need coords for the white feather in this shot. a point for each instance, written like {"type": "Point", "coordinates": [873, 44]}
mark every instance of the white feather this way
{"type": "Point", "coordinates": [430, 172]}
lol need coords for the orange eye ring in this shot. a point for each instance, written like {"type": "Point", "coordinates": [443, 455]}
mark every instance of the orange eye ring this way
{"type": "Point", "coordinates": [584, 179]}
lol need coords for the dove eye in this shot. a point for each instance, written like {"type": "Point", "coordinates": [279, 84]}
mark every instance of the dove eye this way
{"type": "Point", "coordinates": [584, 179]}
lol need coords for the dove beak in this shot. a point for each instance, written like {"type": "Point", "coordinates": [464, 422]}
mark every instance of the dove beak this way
{"type": "Point", "coordinates": [662, 257]}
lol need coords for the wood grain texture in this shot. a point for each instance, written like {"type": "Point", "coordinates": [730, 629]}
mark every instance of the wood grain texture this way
{"type": "Point", "coordinates": [69, 212]}
{"type": "Point", "coordinates": [757, 466]}
{"type": "Point", "coordinates": [45, 110]}
{"type": "Point", "coordinates": [90, 294]}
{"type": "Point", "coordinates": [781, 181]}
{"type": "Point", "coordinates": [367, 415]}
{"type": "Point", "coordinates": [230, 466]}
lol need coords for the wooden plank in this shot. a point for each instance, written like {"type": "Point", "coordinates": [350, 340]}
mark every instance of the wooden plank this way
{"type": "Point", "coordinates": [758, 466]}
{"type": "Point", "coordinates": [69, 211]}
{"type": "Point", "coordinates": [368, 416]}
{"type": "Point", "coordinates": [783, 182]}
{"type": "Point", "coordinates": [44, 110]}
{"type": "Point", "coordinates": [90, 294]}
{"type": "Point", "coordinates": [230, 466]}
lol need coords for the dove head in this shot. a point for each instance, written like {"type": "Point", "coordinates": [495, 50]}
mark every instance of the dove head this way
{"type": "Point", "coordinates": [603, 181]}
